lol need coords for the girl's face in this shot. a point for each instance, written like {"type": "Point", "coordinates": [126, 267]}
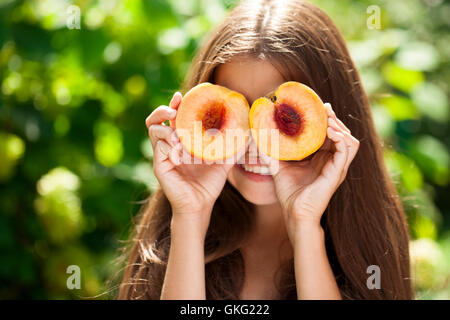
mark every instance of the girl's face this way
{"type": "Point", "coordinates": [254, 79]}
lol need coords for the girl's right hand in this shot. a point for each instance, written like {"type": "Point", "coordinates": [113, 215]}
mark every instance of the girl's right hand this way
{"type": "Point", "coordinates": [191, 189]}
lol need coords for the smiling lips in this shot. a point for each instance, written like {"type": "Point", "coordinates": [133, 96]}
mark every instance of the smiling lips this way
{"type": "Point", "coordinates": [253, 164]}
{"type": "Point", "coordinates": [264, 170]}
{"type": "Point", "coordinates": [255, 173]}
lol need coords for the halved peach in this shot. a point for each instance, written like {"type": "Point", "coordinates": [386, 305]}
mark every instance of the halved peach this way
{"type": "Point", "coordinates": [212, 122]}
{"type": "Point", "coordinates": [295, 115]}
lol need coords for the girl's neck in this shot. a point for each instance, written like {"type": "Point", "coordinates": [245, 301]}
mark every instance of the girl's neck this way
{"type": "Point", "coordinates": [265, 250]}
{"type": "Point", "coordinates": [269, 230]}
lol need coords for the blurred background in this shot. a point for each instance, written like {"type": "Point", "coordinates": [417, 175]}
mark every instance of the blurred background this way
{"type": "Point", "coordinates": [75, 159]}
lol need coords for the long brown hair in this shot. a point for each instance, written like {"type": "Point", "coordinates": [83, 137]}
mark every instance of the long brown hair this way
{"type": "Point", "coordinates": [364, 222]}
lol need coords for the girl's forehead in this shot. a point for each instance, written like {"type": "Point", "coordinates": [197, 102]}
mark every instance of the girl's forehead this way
{"type": "Point", "coordinates": [253, 78]}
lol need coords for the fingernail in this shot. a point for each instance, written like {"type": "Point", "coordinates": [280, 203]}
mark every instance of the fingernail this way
{"type": "Point", "coordinates": [331, 108]}
{"type": "Point", "coordinates": [331, 122]}
{"type": "Point", "coordinates": [174, 95]}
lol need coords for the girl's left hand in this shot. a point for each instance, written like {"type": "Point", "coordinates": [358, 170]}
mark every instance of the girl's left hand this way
{"type": "Point", "coordinates": [304, 188]}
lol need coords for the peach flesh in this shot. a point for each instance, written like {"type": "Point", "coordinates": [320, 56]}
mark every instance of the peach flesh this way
{"type": "Point", "coordinates": [297, 113]}
{"type": "Point", "coordinates": [212, 122]}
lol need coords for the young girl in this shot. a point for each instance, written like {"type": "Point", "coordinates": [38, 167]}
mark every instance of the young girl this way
{"type": "Point", "coordinates": [327, 227]}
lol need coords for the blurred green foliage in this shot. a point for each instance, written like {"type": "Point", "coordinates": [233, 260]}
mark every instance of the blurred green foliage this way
{"type": "Point", "coordinates": [74, 157]}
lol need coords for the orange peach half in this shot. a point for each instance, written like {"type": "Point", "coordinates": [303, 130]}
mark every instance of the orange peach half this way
{"type": "Point", "coordinates": [212, 122]}
{"type": "Point", "coordinates": [289, 124]}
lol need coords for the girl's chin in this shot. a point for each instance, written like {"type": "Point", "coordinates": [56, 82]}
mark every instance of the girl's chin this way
{"type": "Point", "coordinates": [257, 189]}
{"type": "Point", "coordinates": [260, 201]}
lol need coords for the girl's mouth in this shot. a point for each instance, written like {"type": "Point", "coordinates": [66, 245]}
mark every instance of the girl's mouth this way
{"type": "Point", "coordinates": [256, 169]}
{"type": "Point", "coordinates": [256, 173]}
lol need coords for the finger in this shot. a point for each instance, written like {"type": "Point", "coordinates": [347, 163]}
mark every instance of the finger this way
{"type": "Point", "coordinates": [161, 152]}
{"type": "Point", "coordinates": [161, 114]}
{"type": "Point", "coordinates": [174, 104]}
{"type": "Point", "coordinates": [164, 152]}
{"type": "Point", "coordinates": [174, 155]}
{"type": "Point", "coordinates": [353, 148]}
{"type": "Point", "coordinates": [340, 156]}
{"type": "Point", "coordinates": [351, 142]}
{"type": "Point", "coordinates": [332, 114]}
{"type": "Point", "coordinates": [159, 132]}
{"type": "Point", "coordinates": [176, 100]}
{"type": "Point", "coordinates": [332, 123]}
{"type": "Point", "coordinates": [348, 138]}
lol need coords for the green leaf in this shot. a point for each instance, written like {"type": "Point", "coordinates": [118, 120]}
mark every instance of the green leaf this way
{"type": "Point", "coordinates": [401, 78]}
{"type": "Point", "coordinates": [108, 143]}
{"type": "Point", "coordinates": [410, 175]}
{"type": "Point", "coordinates": [399, 107]}
{"type": "Point", "coordinates": [433, 157]}
{"type": "Point", "coordinates": [432, 101]}
{"type": "Point", "coordinates": [384, 122]}
{"type": "Point", "coordinates": [419, 56]}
